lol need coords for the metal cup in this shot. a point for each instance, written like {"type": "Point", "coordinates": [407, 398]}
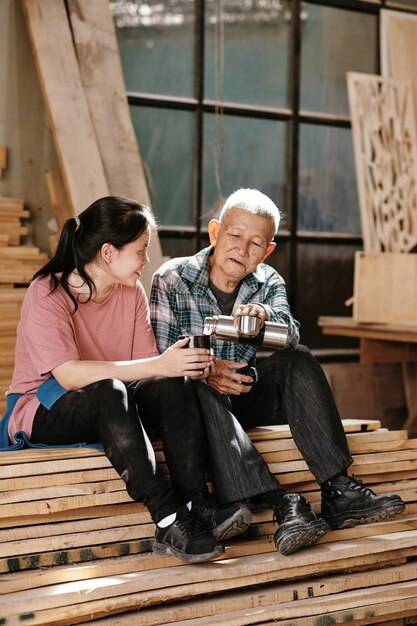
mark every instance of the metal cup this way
{"type": "Point", "coordinates": [197, 341]}
{"type": "Point", "coordinates": [248, 325]}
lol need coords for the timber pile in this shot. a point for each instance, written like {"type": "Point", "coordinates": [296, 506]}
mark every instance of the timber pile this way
{"type": "Point", "coordinates": [18, 262]}
{"type": "Point", "coordinates": [74, 548]}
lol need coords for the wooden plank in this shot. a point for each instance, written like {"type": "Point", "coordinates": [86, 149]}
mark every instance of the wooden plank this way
{"type": "Point", "coordinates": [348, 327]}
{"type": "Point", "coordinates": [57, 480]}
{"type": "Point", "coordinates": [68, 541]}
{"type": "Point", "coordinates": [11, 204]}
{"type": "Point", "coordinates": [61, 208]}
{"type": "Point", "coordinates": [24, 253]}
{"type": "Point", "coordinates": [13, 232]}
{"type": "Point", "coordinates": [61, 491]}
{"type": "Point", "coordinates": [293, 592]}
{"type": "Point", "coordinates": [81, 526]}
{"type": "Point", "coordinates": [378, 297]}
{"type": "Point", "coordinates": [41, 507]}
{"type": "Point", "coordinates": [29, 578]}
{"type": "Point", "coordinates": [13, 216]}
{"type": "Point", "coordinates": [87, 512]}
{"type": "Point", "coordinates": [253, 566]}
{"type": "Point", "coordinates": [23, 458]}
{"type": "Point", "coordinates": [12, 295]}
{"type": "Point", "coordinates": [373, 351]}
{"type": "Point", "coordinates": [350, 606]}
{"type": "Point", "coordinates": [102, 78]}
{"type": "Point", "coordinates": [365, 457]}
{"type": "Point", "coordinates": [262, 433]}
{"type": "Point", "coordinates": [358, 442]}
{"type": "Point", "coordinates": [69, 115]}
{"type": "Point", "coordinates": [115, 606]}
{"type": "Point", "coordinates": [401, 36]}
{"type": "Point", "coordinates": [76, 555]}
{"type": "Point", "coordinates": [106, 598]}
{"type": "Point", "coordinates": [3, 158]}
{"type": "Point", "coordinates": [50, 467]}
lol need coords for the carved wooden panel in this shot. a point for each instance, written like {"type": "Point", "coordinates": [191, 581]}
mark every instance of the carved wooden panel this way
{"type": "Point", "coordinates": [384, 140]}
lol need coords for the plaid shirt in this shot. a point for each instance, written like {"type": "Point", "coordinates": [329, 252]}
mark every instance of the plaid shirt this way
{"type": "Point", "coordinates": [181, 299]}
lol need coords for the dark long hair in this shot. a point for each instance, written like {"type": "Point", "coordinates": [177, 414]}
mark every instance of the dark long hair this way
{"type": "Point", "coordinates": [108, 220]}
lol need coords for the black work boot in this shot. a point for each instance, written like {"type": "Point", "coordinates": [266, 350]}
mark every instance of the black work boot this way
{"type": "Point", "coordinates": [346, 502]}
{"type": "Point", "coordinates": [221, 522]}
{"type": "Point", "coordinates": [299, 526]}
{"type": "Point", "coordinates": [187, 540]}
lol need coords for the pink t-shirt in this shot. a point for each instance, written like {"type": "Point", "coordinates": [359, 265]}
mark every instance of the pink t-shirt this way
{"type": "Point", "coordinates": [48, 335]}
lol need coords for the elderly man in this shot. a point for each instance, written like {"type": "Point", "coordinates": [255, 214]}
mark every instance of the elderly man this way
{"type": "Point", "coordinates": [230, 277]}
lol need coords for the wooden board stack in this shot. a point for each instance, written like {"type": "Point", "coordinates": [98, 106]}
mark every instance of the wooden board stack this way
{"type": "Point", "coordinates": [18, 262]}
{"type": "Point", "coordinates": [74, 548]}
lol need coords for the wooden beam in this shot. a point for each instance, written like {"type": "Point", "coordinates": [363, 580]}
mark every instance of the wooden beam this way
{"type": "Point", "coordinates": [58, 196]}
{"type": "Point", "coordinates": [69, 115]}
{"type": "Point", "coordinates": [102, 78]}
{"type": "Point", "coordinates": [379, 351]}
{"type": "Point", "coordinates": [3, 158]}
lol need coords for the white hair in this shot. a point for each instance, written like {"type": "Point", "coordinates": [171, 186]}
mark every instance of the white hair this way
{"type": "Point", "coordinates": [252, 201]}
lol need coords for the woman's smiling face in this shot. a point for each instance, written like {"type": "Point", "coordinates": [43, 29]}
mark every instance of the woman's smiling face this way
{"type": "Point", "coordinates": [128, 262]}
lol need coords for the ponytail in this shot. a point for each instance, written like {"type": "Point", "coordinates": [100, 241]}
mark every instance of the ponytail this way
{"type": "Point", "coordinates": [110, 219]}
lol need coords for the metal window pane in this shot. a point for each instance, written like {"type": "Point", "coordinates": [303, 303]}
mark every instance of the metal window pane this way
{"type": "Point", "coordinates": [177, 246]}
{"type": "Point", "coordinates": [324, 283]}
{"type": "Point", "coordinates": [166, 140]}
{"type": "Point", "coordinates": [156, 41]}
{"type": "Point", "coordinates": [247, 153]}
{"type": "Point", "coordinates": [328, 199]}
{"type": "Point", "coordinates": [256, 37]}
{"type": "Point", "coordinates": [334, 41]}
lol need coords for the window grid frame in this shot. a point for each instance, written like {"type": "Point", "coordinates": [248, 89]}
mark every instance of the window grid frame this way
{"type": "Point", "coordinates": [293, 115]}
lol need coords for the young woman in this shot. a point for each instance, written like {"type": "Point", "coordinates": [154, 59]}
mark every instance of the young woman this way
{"type": "Point", "coordinates": [87, 370]}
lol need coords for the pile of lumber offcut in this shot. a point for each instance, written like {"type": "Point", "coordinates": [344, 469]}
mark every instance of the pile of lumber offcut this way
{"type": "Point", "coordinates": [74, 548]}
{"type": "Point", "coordinates": [18, 262]}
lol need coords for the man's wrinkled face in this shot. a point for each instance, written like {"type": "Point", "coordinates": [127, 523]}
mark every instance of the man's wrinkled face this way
{"type": "Point", "coordinates": [241, 241]}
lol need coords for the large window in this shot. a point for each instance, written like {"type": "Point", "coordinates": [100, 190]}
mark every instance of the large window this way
{"type": "Point", "coordinates": [252, 93]}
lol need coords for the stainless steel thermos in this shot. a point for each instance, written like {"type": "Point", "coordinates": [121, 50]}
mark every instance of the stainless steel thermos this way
{"type": "Point", "coordinates": [271, 335]}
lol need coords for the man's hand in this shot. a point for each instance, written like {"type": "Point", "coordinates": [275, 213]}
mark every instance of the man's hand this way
{"type": "Point", "coordinates": [254, 310]}
{"type": "Point", "coordinates": [225, 380]}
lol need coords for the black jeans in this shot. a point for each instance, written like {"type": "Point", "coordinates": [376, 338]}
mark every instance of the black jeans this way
{"type": "Point", "coordinates": [292, 389]}
{"type": "Point", "coordinates": [119, 418]}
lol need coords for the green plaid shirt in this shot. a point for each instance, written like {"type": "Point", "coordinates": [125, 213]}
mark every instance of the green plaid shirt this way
{"type": "Point", "coordinates": [181, 299]}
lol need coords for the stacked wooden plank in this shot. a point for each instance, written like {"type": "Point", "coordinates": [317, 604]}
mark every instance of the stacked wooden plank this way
{"type": "Point", "coordinates": [74, 548]}
{"type": "Point", "coordinates": [11, 227]}
{"type": "Point", "coordinates": [18, 262]}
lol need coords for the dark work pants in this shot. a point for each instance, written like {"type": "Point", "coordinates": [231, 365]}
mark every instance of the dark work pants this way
{"type": "Point", "coordinates": [108, 412]}
{"type": "Point", "coordinates": [292, 389]}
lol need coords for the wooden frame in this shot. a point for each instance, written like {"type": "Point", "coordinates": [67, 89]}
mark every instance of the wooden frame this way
{"type": "Point", "coordinates": [384, 139]}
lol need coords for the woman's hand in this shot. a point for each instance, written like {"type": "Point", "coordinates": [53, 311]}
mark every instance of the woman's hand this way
{"type": "Point", "coordinates": [178, 360]}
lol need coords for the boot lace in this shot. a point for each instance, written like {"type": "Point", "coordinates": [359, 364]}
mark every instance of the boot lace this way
{"type": "Point", "coordinates": [287, 506]}
{"type": "Point", "coordinates": [357, 485]}
{"type": "Point", "coordinates": [190, 526]}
